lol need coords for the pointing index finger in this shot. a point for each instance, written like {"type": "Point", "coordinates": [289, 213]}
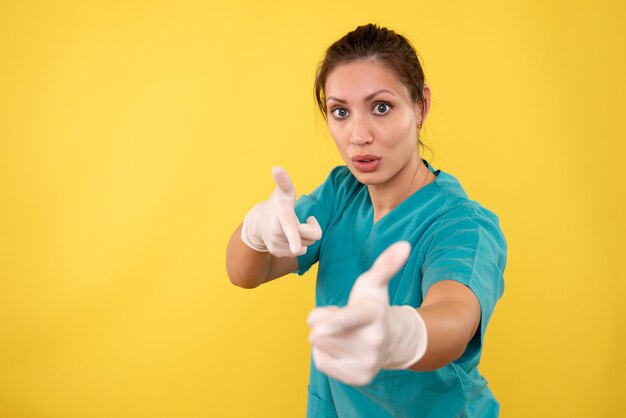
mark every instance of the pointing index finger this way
{"type": "Point", "coordinates": [388, 263]}
{"type": "Point", "coordinates": [283, 182]}
{"type": "Point", "coordinates": [289, 224]}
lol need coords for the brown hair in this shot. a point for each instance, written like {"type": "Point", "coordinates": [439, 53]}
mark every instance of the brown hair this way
{"type": "Point", "coordinates": [372, 42]}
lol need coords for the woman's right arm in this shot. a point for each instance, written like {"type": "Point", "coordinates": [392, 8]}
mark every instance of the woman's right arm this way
{"type": "Point", "coordinates": [249, 268]}
{"type": "Point", "coordinates": [267, 244]}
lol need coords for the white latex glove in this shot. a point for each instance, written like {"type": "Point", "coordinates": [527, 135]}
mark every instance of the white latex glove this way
{"type": "Point", "coordinates": [273, 226]}
{"type": "Point", "coordinates": [352, 344]}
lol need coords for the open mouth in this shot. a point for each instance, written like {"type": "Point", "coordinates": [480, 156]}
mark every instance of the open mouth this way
{"type": "Point", "coordinates": [366, 163]}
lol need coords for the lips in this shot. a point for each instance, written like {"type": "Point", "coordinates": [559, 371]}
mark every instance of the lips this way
{"type": "Point", "coordinates": [366, 162]}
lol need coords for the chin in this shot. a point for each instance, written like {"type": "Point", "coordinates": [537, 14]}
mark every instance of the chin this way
{"type": "Point", "coordinates": [369, 179]}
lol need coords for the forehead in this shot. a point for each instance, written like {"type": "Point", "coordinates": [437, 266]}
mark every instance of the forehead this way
{"type": "Point", "coordinates": [358, 79]}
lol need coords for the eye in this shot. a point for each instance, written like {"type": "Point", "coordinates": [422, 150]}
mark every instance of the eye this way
{"type": "Point", "coordinates": [381, 108]}
{"type": "Point", "coordinates": [339, 112]}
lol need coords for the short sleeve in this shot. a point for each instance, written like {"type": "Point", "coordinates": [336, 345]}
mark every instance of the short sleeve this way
{"type": "Point", "coordinates": [320, 204]}
{"type": "Point", "coordinates": [471, 250]}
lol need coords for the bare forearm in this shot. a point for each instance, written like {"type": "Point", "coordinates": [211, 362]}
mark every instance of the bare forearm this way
{"type": "Point", "coordinates": [450, 326]}
{"type": "Point", "coordinates": [246, 267]}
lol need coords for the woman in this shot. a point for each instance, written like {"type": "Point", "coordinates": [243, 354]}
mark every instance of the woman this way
{"type": "Point", "coordinates": [399, 327]}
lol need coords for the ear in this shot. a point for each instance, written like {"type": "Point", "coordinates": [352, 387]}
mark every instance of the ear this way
{"type": "Point", "coordinates": [422, 113]}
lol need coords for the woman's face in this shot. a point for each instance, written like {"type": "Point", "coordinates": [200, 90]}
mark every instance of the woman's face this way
{"type": "Point", "coordinates": [373, 121]}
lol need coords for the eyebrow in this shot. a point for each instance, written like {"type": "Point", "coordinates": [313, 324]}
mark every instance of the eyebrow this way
{"type": "Point", "coordinates": [366, 99]}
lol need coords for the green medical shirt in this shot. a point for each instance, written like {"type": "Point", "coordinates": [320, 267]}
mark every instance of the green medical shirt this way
{"type": "Point", "coordinates": [453, 238]}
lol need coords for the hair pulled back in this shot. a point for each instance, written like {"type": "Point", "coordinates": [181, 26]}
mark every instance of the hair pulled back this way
{"type": "Point", "coordinates": [376, 43]}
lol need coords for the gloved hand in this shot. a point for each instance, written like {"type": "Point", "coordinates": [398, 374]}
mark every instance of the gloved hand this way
{"type": "Point", "coordinates": [273, 226]}
{"type": "Point", "coordinates": [353, 343]}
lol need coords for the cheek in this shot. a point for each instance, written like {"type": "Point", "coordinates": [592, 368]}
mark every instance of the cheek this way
{"type": "Point", "coordinates": [408, 130]}
{"type": "Point", "coordinates": [400, 135]}
{"type": "Point", "coordinates": [338, 135]}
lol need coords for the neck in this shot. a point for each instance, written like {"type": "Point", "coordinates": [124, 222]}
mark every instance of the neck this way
{"type": "Point", "coordinates": [385, 197]}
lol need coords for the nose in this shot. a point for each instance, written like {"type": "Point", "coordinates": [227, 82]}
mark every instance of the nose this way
{"type": "Point", "coordinates": [360, 132]}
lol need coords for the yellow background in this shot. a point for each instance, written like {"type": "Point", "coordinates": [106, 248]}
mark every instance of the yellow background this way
{"type": "Point", "coordinates": [134, 136]}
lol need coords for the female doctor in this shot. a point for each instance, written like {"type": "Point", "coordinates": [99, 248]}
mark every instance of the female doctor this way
{"type": "Point", "coordinates": [410, 268]}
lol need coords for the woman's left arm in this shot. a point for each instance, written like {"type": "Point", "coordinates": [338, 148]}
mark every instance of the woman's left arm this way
{"type": "Point", "coordinates": [353, 343]}
{"type": "Point", "coordinates": [451, 313]}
